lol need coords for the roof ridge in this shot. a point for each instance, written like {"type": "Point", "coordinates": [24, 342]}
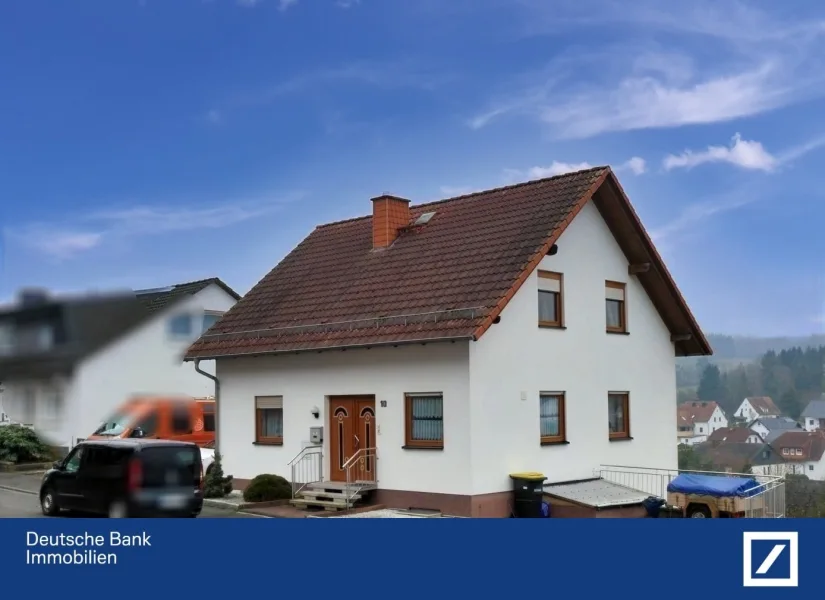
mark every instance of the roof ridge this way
{"type": "Point", "coordinates": [477, 193]}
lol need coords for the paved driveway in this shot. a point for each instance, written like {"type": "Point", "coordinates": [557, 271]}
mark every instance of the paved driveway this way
{"type": "Point", "coordinates": [18, 498]}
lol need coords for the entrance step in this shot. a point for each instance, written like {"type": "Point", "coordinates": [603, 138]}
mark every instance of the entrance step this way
{"type": "Point", "coordinates": [331, 496]}
{"type": "Point", "coordinates": [338, 486]}
{"type": "Point", "coordinates": [330, 505]}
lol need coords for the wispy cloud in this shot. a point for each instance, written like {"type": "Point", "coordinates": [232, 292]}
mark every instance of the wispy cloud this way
{"type": "Point", "coordinates": [388, 75]}
{"type": "Point", "coordinates": [635, 165]}
{"type": "Point", "coordinates": [746, 154]}
{"type": "Point", "coordinates": [285, 4]}
{"type": "Point", "coordinates": [724, 61]}
{"type": "Point", "coordinates": [347, 3]}
{"type": "Point", "coordinates": [67, 240]}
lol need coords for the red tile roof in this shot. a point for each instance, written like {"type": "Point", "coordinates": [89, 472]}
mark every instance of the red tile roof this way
{"type": "Point", "coordinates": [446, 280]}
{"type": "Point", "coordinates": [732, 434]}
{"type": "Point", "coordinates": [812, 444]}
{"type": "Point", "coordinates": [697, 411]}
{"type": "Point", "coordinates": [764, 405]}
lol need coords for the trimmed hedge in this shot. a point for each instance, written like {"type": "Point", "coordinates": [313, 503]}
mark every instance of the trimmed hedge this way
{"type": "Point", "coordinates": [265, 488]}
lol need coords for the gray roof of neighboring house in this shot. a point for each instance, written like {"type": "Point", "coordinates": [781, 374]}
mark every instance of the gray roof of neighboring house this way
{"type": "Point", "coordinates": [776, 426]}
{"type": "Point", "coordinates": [814, 410]}
{"type": "Point", "coordinates": [84, 324]}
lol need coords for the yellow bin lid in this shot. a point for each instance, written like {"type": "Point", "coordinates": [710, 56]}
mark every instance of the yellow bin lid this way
{"type": "Point", "coordinates": [529, 475]}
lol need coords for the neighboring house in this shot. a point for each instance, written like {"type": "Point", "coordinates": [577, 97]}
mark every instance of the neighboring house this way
{"type": "Point", "coordinates": [532, 327]}
{"type": "Point", "coordinates": [736, 435]}
{"type": "Point", "coordinates": [739, 457]}
{"type": "Point", "coordinates": [696, 420]}
{"type": "Point", "coordinates": [67, 362]}
{"type": "Point", "coordinates": [802, 451]}
{"type": "Point", "coordinates": [813, 417]}
{"type": "Point", "coordinates": [756, 407]}
{"type": "Point", "coordinates": [770, 428]}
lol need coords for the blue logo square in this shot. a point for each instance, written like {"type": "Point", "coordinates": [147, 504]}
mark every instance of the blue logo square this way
{"type": "Point", "coordinates": [772, 557]}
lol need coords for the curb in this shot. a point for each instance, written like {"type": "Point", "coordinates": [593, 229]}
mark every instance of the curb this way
{"type": "Point", "coordinates": [8, 488]}
{"type": "Point", "coordinates": [220, 504]}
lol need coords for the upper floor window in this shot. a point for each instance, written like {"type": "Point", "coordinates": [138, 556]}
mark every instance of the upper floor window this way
{"type": "Point", "coordinates": [6, 339]}
{"type": "Point", "coordinates": [551, 417]}
{"type": "Point", "coordinates": [619, 415]}
{"type": "Point", "coordinates": [616, 307]}
{"type": "Point", "coordinates": [209, 319]}
{"type": "Point", "coordinates": [34, 337]}
{"type": "Point", "coordinates": [550, 299]}
{"type": "Point", "coordinates": [180, 325]}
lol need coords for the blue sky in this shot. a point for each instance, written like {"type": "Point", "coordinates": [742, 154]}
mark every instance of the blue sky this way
{"type": "Point", "coordinates": [146, 142]}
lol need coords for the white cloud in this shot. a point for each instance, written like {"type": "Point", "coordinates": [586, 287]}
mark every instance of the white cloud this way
{"type": "Point", "coordinates": [635, 165]}
{"type": "Point", "coordinates": [67, 240]}
{"type": "Point", "coordinates": [248, 3]}
{"type": "Point", "coordinates": [347, 3]}
{"type": "Point", "coordinates": [213, 116]}
{"type": "Point", "coordinates": [723, 61]}
{"type": "Point", "coordinates": [750, 155]}
{"type": "Point", "coordinates": [285, 4]}
{"type": "Point", "coordinates": [746, 154]}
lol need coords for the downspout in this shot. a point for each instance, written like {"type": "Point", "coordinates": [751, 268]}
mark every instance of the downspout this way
{"type": "Point", "coordinates": [217, 400]}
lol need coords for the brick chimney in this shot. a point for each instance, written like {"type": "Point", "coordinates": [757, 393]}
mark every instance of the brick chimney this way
{"type": "Point", "coordinates": [389, 214]}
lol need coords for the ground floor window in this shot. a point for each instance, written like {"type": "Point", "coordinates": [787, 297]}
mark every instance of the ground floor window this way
{"type": "Point", "coordinates": [269, 420]}
{"type": "Point", "coordinates": [424, 423]}
{"type": "Point", "coordinates": [551, 417]}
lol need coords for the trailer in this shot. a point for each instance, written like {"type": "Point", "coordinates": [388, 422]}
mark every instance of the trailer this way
{"type": "Point", "coordinates": [714, 496]}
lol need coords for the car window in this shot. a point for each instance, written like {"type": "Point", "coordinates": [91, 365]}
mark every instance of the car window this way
{"type": "Point", "coordinates": [101, 460]}
{"type": "Point", "coordinates": [209, 418]}
{"type": "Point", "coordinates": [181, 419]}
{"type": "Point", "coordinates": [72, 463]}
{"type": "Point", "coordinates": [115, 425]}
{"type": "Point", "coordinates": [170, 466]}
{"type": "Point", "coordinates": [149, 424]}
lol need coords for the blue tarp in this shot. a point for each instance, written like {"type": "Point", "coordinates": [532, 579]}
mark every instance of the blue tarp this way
{"type": "Point", "coordinates": [714, 485]}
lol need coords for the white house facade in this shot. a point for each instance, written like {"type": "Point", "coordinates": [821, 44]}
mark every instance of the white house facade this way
{"type": "Point", "coordinates": [576, 370]}
{"type": "Point", "coordinates": [757, 407]}
{"type": "Point", "coordinates": [145, 358]}
{"type": "Point", "coordinates": [697, 420]}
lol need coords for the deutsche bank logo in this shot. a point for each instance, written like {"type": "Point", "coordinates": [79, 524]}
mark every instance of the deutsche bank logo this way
{"type": "Point", "coordinates": [771, 559]}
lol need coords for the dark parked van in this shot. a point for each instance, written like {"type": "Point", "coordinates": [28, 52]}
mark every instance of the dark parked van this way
{"type": "Point", "coordinates": [126, 478]}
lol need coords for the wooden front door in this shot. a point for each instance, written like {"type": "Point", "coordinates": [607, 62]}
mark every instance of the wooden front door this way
{"type": "Point", "coordinates": [352, 428]}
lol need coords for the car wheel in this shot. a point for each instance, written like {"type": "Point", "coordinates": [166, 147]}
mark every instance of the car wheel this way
{"type": "Point", "coordinates": [699, 512]}
{"type": "Point", "coordinates": [48, 503]}
{"type": "Point", "coordinates": [117, 510]}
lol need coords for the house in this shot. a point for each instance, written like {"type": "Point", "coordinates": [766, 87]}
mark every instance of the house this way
{"type": "Point", "coordinates": [696, 420]}
{"type": "Point", "coordinates": [739, 457]}
{"type": "Point", "coordinates": [813, 417]}
{"type": "Point", "coordinates": [432, 350]}
{"type": "Point", "coordinates": [67, 362]}
{"type": "Point", "coordinates": [756, 407]}
{"type": "Point", "coordinates": [737, 435]}
{"type": "Point", "coordinates": [770, 428]}
{"type": "Point", "coordinates": [802, 451]}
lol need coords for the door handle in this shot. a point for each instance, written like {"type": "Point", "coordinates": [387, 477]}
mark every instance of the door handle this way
{"type": "Point", "coordinates": [357, 442]}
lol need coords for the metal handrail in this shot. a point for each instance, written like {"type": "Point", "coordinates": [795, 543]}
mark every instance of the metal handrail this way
{"type": "Point", "coordinates": [362, 454]}
{"type": "Point", "coordinates": [303, 462]}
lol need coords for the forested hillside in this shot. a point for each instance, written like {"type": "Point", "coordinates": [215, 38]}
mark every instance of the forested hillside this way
{"type": "Point", "coordinates": [791, 377]}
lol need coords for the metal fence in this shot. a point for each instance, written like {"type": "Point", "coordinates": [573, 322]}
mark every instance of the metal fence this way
{"type": "Point", "coordinates": [768, 500]}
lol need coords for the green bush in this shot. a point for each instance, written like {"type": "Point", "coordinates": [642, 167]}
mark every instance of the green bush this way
{"type": "Point", "coordinates": [216, 484]}
{"type": "Point", "coordinates": [265, 488]}
{"type": "Point", "coordinates": [20, 444]}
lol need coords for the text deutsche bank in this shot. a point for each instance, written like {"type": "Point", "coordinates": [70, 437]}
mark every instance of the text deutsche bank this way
{"type": "Point", "coordinates": [770, 559]}
{"type": "Point", "coordinates": [80, 549]}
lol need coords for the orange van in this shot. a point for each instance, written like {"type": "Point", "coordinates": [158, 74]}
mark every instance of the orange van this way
{"type": "Point", "coordinates": [164, 418]}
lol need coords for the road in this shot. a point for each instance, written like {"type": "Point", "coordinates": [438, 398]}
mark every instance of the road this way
{"type": "Point", "coordinates": [24, 505]}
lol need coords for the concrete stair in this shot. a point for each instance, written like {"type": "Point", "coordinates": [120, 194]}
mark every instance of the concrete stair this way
{"type": "Point", "coordinates": [331, 495]}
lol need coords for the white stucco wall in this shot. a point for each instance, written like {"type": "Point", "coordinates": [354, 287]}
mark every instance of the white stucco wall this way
{"type": "Point", "coordinates": [146, 361]}
{"type": "Point", "coordinates": [516, 359]}
{"type": "Point", "coordinates": [306, 381]}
